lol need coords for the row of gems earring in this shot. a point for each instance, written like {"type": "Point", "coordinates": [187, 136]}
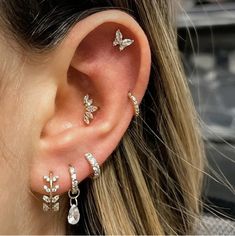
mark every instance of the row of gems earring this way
{"type": "Point", "coordinates": [74, 192]}
{"type": "Point", "coordinates": [135, 103]}
{"type": "Point", "coordinates": [89, 109]}
{"type": "Point", "coordinates": [94, 165]}
{"type": "Point", "coordinates": [51, 202]}
{"type": "Point", "coordinates": [123, 43]}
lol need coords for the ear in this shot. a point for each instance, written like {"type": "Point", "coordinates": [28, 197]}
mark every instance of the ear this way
{"type": "Point", "coordinates": [86, 62]}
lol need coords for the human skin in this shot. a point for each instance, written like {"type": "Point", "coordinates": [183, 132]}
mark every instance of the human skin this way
{"type": "Point", "coordinates": [42, 109]}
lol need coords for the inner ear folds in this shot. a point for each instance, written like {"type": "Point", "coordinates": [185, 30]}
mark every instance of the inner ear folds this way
{"type": "Point", "coordinates": [102, 71]}
{"type": "Point", "coordinates": [107, 74]}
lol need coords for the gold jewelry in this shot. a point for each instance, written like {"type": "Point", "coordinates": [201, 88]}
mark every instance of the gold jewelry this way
{"type": "Point", "coordinates": [94, 164]}
{"type": "Point", "coordinates": [90, 109]}
{"type": "Point", "coordinates": [74, 192]}
{"type": "Point", "coordinates": [135, 104]}
{"type": "Point", "coordinates": [51, 202]}
{"type": "Point", "coordinates": [123, 43]}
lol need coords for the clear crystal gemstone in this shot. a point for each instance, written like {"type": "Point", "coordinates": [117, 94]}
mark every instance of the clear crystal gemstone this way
{"type": "Point", "coordinates": [46, 189]}
{"type": "Point", "coordinates": [86, 120]}
{"type": "Point", "coordinates": [92, 108]}
{"type": "Point", "coordinates": [46, 199]}
{"type": "Point", "coordinates": [74, 215]}
{"type": "Point", "coordinates": [55, 198]}
{"type": "Point", "coordinates": [56, 207]}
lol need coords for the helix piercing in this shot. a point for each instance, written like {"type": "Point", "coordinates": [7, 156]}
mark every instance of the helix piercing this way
{"type": "Point", "coordinates": [123, 43]}
{"type": "Point", "coordinates": [73, 193]}
{"type": "Point", "coordinates": [51, 202]}
{"type": "Point", "coordinates": [94, 164]}
{"type": "Point", "coordinates": [135, 104]}
{"type": "Point", "coordinates": [89, 109]}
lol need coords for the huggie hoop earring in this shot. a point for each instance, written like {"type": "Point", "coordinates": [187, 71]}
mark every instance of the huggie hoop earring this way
{"type": "Point", "coordinates": [94, 164]}
{"type": "Point", "coordinates": [51, 202]}
{"type": "Point", "coordinates": [73, 193]}
{"type": "Point", "coordinates": [135, 104]}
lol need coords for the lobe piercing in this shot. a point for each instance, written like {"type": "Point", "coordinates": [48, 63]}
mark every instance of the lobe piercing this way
{"type": "Point", "coordinates": [135, 104]}
{"type": "Point", "coordinates": [123, 43]}
{"type": "Point", "coordinates": [94, 164]}
{"type": "Point", "coordinates": [74, 192]}
{"type": "Point", "coordinates": [90, 109]}
{"type": "Point", "coordinates": [51, 202]}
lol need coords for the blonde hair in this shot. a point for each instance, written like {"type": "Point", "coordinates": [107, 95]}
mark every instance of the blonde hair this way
{"type": "Point", "coordinates": [152, 182]}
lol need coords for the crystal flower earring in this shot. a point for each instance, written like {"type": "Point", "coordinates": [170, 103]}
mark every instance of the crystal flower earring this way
{"type": "Point", "coordinates": [74, 192]}
{"type": "Point", "coordinates": [90, 109]}
{"type": "Point", "coordinates": [51, 201]}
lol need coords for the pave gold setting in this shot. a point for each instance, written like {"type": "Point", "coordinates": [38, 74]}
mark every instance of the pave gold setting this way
{"type": "Point", "coordinates": [51, 201]}
{"type": "Point", "coordinates": [123, 43]}
{"type": "Point", "coordinates": [74, 192]}
{"type": "Point", "coordinates": [135, 104]}
{"type": "Point", "coordinates": [89, 109]}
{"type": "Point", "coordinates": [94, 164]}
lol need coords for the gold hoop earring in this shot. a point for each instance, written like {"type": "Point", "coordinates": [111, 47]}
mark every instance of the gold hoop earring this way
{"type": "Point", "coordinates": [94, 164]}
{"type": "Point", "coordinates": [135, 103]}
{"type": "Point", "coordinates": [73, 193]}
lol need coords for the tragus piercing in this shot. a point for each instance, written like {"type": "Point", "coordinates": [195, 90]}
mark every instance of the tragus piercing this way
{"type": "Point", "coordinates": [94, 164]}
{"type": "Point", "coordinates": [135, 104]}
{"type": "Point", "coordinates": [123, 43]}
{"type": "Point", "coordinates": [73, 193]}
{"type": "Point", "coordinates": [51, 202]}
{"type": "Point", "coordinates": [90, 109]}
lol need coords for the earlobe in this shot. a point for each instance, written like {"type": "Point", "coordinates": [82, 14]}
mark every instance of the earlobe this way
{"type": "Point", "coordinates": [93, 60]}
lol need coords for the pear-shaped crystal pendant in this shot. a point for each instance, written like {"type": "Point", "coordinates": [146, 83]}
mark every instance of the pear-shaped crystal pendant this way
{"type": "Point", "coordinates": [74, 215]}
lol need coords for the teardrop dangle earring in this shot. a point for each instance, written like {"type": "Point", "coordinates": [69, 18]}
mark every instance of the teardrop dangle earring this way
{"type": "Point", "coordinates": [74, 192]}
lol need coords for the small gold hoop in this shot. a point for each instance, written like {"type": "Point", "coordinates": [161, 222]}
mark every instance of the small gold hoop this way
{"type": "Point", "coordinates": [135, 104]}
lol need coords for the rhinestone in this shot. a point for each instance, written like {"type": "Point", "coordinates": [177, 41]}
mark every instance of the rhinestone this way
{"type": "Point", "coordinates": [74, 215]}
{"type": "Point", "coordinates": [92, 108]}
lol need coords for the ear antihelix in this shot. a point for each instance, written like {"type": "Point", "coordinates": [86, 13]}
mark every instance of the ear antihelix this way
{"type": "Point", "coordinates": [89, 109]}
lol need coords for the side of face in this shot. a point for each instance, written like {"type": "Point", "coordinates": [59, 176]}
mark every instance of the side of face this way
{"type": "Point", "coordinates": [42, 109]}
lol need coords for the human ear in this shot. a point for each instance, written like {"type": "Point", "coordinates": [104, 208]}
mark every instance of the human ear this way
{"type": "Point", "coordinates": [86, 62]}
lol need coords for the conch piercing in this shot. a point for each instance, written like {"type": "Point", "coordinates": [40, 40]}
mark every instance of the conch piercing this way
{"type": "Point", "coordinates": [90, 109]}
{"type": "Point", "coordinates": [74, 192]}
{"type": "Point", "coordinates": [135, 104]}
{"type": "Point", "coordinates": [94, 164]}
{"type": "Point", "coordinates": [51, 202]}
{"type": "Point", "coordinates": [123, 43]}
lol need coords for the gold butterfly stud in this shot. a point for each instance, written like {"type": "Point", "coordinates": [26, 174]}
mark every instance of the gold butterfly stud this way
{"type": "Point", "coordinates": [123, 43]}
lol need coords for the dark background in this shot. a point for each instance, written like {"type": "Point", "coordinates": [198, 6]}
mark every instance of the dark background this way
{"type": "Point", "coordinates": [207, 43]}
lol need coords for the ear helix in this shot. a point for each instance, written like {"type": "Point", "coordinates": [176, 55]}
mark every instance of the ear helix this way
{"type": "Point", "coordinates": [51, 199]}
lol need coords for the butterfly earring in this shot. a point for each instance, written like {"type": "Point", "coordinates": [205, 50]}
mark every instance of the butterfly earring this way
{"type": "Point", "coordinates": [123, 43]}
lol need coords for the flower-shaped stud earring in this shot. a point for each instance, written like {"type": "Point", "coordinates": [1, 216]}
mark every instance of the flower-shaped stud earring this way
{"type": "Point", "coordinates": [89, 109]}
